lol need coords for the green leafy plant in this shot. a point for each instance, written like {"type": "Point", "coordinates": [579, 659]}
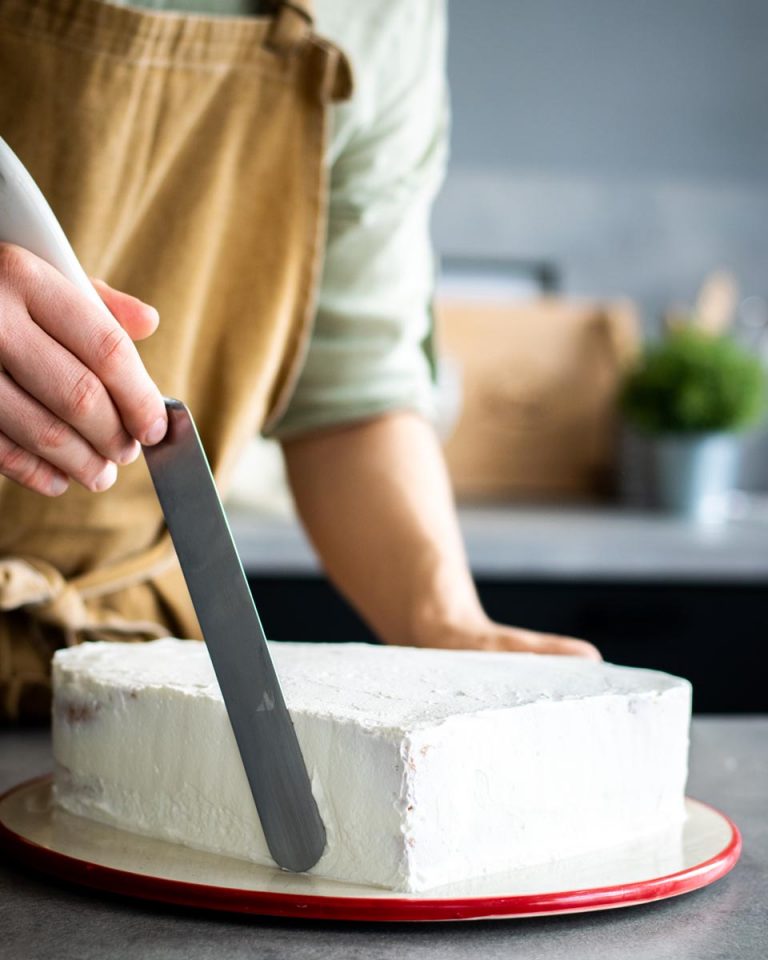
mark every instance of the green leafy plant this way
{"type": "Point", "coordinates": [690, 382]}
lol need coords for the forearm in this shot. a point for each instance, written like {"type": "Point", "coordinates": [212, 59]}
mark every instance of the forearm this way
{"type": "Point", "coordinates": [376, 502]}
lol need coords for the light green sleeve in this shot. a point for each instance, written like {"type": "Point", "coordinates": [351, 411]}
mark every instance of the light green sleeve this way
{"type": "Point", "coordinates": [388, 152]}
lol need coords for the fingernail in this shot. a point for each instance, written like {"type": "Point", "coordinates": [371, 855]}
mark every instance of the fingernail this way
{"type": "Point", "coordinates": [156, 432]}
{"type": "Point", "coordinates": [130, 453]}
{"type": "Point", "coordinates": [153, 312]}
{"type": "Point", "coordinates": [58, 485]}
{"type": "Point", "coordinates": [106, 478]}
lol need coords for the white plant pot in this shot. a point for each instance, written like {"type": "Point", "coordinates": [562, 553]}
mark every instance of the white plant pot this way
{"type": "Point", "coordinates": [694, 474]}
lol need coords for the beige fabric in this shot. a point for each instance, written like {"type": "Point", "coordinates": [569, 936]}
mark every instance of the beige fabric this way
{"type": "Point", "coordinates": [183, 157]}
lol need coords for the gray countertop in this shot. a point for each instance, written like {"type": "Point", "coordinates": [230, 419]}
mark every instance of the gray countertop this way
{"type": "Point", "coordinates": [557, 544]}
{"type": "Point", "coordinates": [41, 919]}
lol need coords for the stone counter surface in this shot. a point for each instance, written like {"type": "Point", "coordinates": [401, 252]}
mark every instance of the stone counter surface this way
{"type": "Point", "coordinates": [547, 543]}
{"type": "Point", "coordinates": [41, 918]}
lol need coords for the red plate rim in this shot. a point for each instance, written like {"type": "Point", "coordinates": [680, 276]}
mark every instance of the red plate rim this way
{"type": "Point", "coordinates": [367, 909]}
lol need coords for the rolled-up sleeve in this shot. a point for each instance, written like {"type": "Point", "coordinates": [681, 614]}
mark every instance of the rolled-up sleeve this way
{"type": "Point", "coordinates": [388, 151]}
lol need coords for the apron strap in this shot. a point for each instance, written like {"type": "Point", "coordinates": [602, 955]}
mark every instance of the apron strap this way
{"type": "Point", "coordinates": [39, 589]}
{"type": "Point", "coordinates": [291, 26]}
{"type": "Point", "coordinates": [36, 598]}
{"type": "Point", "coordinates": [304, 7]}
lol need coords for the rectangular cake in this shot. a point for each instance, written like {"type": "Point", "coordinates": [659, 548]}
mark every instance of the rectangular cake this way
{"type": "Point", "coordinates": [428, 766]}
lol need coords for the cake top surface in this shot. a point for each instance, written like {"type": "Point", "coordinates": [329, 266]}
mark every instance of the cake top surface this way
{"type": "Point", "coordinates": [388, 687]}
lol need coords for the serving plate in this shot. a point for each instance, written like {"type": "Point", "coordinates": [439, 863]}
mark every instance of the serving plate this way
{"type": "Point", "coordinates": [90, 854]}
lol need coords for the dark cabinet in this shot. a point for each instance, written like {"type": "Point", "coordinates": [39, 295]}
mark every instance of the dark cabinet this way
{"type": "Point", "coordinates": [715, 635]}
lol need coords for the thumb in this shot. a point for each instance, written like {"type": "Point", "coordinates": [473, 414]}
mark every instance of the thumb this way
{"type": "Point", "coordinates": [138, 319]}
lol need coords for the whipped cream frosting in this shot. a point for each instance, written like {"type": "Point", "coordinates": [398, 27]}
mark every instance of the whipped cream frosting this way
{"type": "Point", "coordinates": [428, 766]}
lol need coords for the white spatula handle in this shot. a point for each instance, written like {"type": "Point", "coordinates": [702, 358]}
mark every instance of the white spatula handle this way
{"type": "Point", "coordinates": [27, 220]}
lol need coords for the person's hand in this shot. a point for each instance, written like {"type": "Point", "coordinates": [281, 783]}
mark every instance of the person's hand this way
{"type": "Point", "coordinates": [75, 399]}
{"type": "Point", "coordinates": [479, 632]}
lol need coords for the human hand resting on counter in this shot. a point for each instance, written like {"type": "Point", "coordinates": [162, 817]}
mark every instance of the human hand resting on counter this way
{"type": "Point", "coordinates": [376, 502]}
{"type": "Point", "coordinates": [479, 632]}
{"type": "Point", "coordinates": [75, 399]}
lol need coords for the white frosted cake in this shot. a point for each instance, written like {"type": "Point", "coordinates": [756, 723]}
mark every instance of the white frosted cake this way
{"type": "Point", "coordinates": [428, 766]}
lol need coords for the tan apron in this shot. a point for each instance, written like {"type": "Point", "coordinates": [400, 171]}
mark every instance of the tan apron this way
{"type": "Point", "coordinates": [184, 158]}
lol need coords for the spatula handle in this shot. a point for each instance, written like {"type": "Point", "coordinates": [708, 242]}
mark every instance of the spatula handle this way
{"type": "Point", "coordinates": [27, 221]}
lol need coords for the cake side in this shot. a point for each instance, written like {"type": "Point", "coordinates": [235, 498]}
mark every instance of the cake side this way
{"type": "Point", "coordinates": [427, 770]}
{"type": "Point", "coordinates": [544, 782]}
{"type": "Point", "coordinates": [168, 767]}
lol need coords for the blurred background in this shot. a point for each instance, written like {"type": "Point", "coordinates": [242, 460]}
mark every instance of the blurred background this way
{"type": "Point", "coordinates": [625, 143]}
{"type": "Point", "coordinates": [602, 308]}
{"type": "Point", "coordinates": [623, 146]}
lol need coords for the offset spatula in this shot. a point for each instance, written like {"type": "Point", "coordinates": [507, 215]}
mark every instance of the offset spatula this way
{"type": "Point", "coordinates": [198, 526]}
{"type": "Point", "coordinates": [236, 643]}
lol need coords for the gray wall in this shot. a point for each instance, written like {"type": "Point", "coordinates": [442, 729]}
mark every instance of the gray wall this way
{"type": "Point", "coordinates": [626, 140]}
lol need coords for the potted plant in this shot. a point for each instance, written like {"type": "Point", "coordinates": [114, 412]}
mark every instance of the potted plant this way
{"type": "Point", "coordinates": [690, 395]}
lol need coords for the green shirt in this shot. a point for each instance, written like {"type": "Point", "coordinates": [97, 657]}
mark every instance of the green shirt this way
{"type": "Point", "coordinates": [387, 154]}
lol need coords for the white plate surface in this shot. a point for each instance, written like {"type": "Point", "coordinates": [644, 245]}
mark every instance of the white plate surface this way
{"type": "Point", "coordinates": [677, 861]}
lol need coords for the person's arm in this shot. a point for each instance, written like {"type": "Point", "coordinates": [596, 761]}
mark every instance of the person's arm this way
{"type": "Point", "coordinates": [376, 502]}
{"type": "Point", "coordinates": [369, 479]}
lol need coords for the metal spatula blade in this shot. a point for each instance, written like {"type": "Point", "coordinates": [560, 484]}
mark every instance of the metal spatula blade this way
{"type": "Point", "coordinates": [236, 642]}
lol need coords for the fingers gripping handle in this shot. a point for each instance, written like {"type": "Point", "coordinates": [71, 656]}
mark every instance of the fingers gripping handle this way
{"type": "Point", "coordinates": [27, 221]}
